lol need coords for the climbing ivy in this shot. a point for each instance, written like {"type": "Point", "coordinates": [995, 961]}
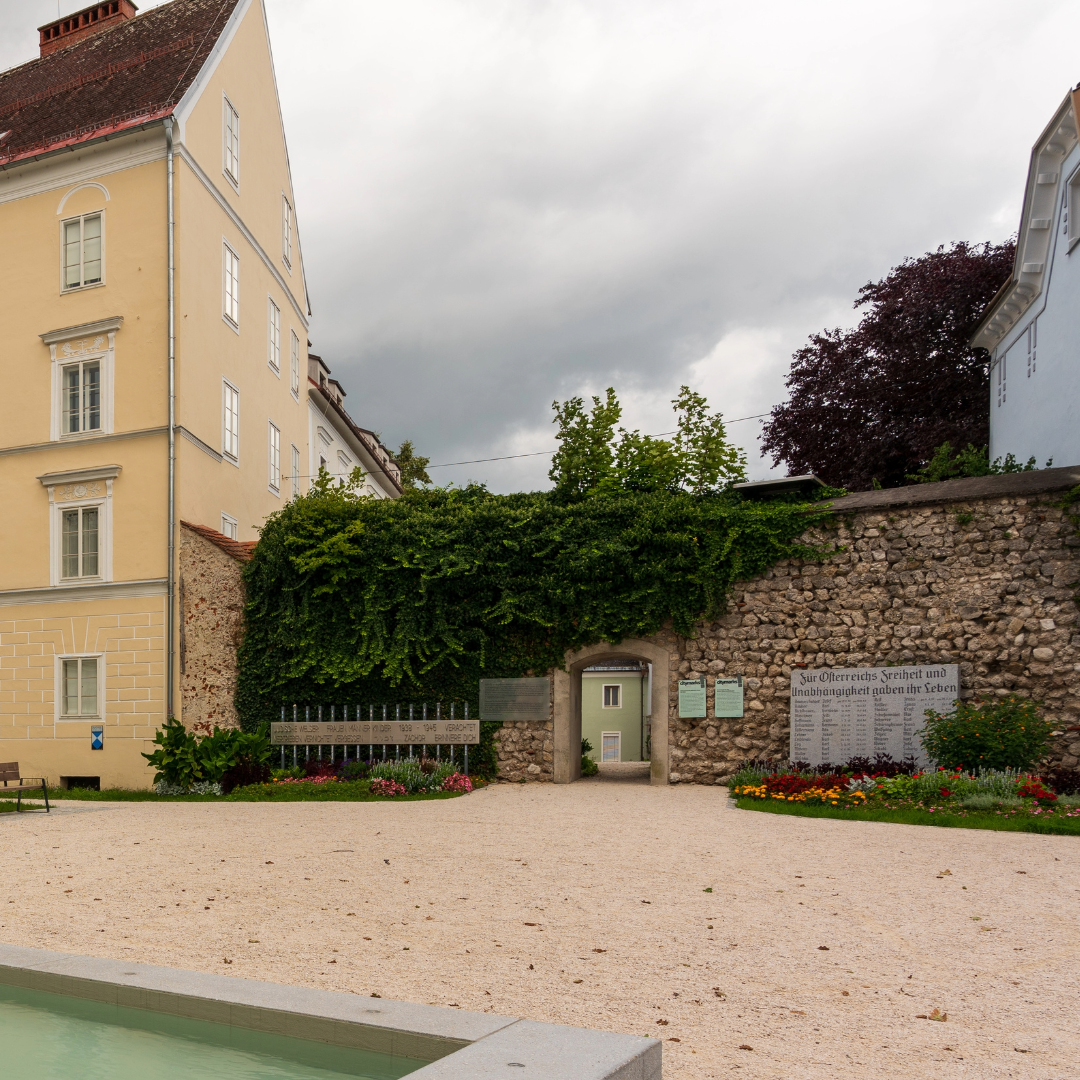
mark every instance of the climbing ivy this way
{"type": "Point", "coordinates": [358, 600]}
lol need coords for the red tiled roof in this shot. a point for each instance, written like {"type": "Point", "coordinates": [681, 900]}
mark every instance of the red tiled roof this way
{"type": "Point", "coordinates": [242, 550]}
{"type": "Point", "coordinates": [122, 76]}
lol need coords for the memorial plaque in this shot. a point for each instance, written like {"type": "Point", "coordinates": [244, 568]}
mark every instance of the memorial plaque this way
{"type": "Point", "coordinates": [515, 699]}
{"type": "Point", "coordinates": [841, 713]}
{"type": "Point", "coordinates": [692, 697]}
{"type": "Point", "coordinates": [729, 697]}
{"type": "Point", "coordinates": [378, 732]}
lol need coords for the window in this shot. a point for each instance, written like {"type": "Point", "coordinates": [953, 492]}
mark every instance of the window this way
{"type": "Point", "coordinates": [295, 471]}
{"type": "Point", "coordinates": [79, 686]}
{"type": "Point", "coordinates": [1032, 342]}
{"type": "Point", "coordinates": [1001, 379]}
{"type": "Point", "coordinates": [322, 463]}
{"type": "Point", "coordinates": [229, 526]}
{"type": "Point", "coordinates": [79, 542]}
{"type": "Point", "coordinates": [231, 305]}
{"type": "Point", "coordinates": [612, 696]}
{"type": "Point", "coordinates": [610, 745]}
{"type": "Point", "coordinates": [232, 142]}
{"type": "Point", "coordinates": [275, 458]}
{"type": "Point", "coordinates": [286, 231]}
{"type": "Point", "coordinates": [275, 336]}
{"type": "Point", "coordinates": [230, 435]}
{"type": "Point", "coordinates": [82, 251]}
{"type": "Point", "coordinates": [294, 364]}
{"type": "Point", "coordinates": [81, 397]}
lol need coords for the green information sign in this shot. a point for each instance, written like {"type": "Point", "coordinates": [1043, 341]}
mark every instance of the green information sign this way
{"type": "Point", "coordinates": [692, 697]}
{"type": "Point", "coordinates": [729, 697]}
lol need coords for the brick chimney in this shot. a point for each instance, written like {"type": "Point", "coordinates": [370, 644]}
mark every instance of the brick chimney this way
{"type": "Point", "coordinates": [72, 28]}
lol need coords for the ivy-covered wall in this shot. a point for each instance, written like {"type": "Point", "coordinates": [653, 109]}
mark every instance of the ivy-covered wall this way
{"type": "Point", "coordinates": [360, 600]}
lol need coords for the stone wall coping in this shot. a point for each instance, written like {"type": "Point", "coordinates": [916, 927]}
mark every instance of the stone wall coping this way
{"type": "Point", "coordinates": [1036, 482]}
{"type": "Point", "coordinates": [459, 1040]}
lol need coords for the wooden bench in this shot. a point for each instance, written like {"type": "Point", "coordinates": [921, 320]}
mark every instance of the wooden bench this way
{"type": "Point", "coordinates": [12, 781]}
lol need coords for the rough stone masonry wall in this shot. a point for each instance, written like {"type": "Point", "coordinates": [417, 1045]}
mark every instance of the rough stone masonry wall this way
{"type": "Point", "coordinates": [525, 749]}
{"type": "Point", "coordinates": [211, 626]}
{"type": "Point", "coordinates": [988, 584]}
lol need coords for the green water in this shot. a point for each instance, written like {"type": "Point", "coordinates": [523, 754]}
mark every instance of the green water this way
{"type": "Point", "coordinates": [54, 1037]}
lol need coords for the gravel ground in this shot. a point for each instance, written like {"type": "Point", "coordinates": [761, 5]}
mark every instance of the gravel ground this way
{"type": "Point", "coordinates": [812, 956]}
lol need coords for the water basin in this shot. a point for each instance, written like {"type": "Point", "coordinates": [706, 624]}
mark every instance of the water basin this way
{"type": "Point", "coordinates": [57, 1037]}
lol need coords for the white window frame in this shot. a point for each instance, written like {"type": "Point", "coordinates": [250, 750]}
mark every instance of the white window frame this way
{"type": "Point", "coordinates": [617, 735]}
{"type": "Point", "coordinates": [295, 470]}
{"type": "Point", "coordinates": [273, 456]}
{"type": "Point", "coordinates": [294, 364]}
{"type": "Point", "coordinates": [604, 695]}
{"type": "Point", "coordinates": [230, 273]}
{"type": "Point", "coordinates": [273, 336]}
{"type": "Point", "coordinates": [1072, 209]}
{"type": "Point", "coordinates": [287, 228]}
{"type": "Point", "coordinates": [68, 491]}
{"type": "Point", "coordinates": [58, 695]}
{"type": "Point", "coordinates": [81, 218]}
{"type": "Point", "coordinates": [85, 343]}
{"type": "Point", "coordinates": [230, 527]}
{"type": "Point", "coordinates": [230, 125]}
{"type": "Point", "coordinates": [230, 439]}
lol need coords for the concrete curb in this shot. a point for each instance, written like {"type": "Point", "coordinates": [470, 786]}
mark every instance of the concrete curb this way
{"type": "Point", "coordinates": [460, 1045]}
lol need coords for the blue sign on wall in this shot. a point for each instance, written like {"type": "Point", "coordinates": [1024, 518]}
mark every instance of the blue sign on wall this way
{"type": "Point", "coordinates": [97, 737]}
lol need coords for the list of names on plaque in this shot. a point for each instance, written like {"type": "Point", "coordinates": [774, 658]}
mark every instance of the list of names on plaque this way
{"type": "Point", "coordinates": [841, 713]}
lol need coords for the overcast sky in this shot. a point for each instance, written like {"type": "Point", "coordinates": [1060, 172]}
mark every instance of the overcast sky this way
{"type": "Point", "coordinates": [503, 203]}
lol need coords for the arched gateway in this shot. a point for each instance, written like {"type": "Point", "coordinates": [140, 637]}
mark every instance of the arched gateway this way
{"type": "Point", "coordinates": [567, 704]}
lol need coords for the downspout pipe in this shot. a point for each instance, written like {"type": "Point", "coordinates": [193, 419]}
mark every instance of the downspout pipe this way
{"type": "Point", "coordinates": [170, 633]}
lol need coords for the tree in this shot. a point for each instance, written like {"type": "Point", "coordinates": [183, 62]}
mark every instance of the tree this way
{"type": "Point", "coordinates": [870, 406]}
{"type": "Point", "coordinates": [591, 460]}
{"type": "Point", "coordinates": [413, 466]}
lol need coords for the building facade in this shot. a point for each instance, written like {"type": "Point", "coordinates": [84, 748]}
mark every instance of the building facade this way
{"type": "Point", "coordinates": [1029, 329]}
{"type": "Point", "coordinates": [156, 323]}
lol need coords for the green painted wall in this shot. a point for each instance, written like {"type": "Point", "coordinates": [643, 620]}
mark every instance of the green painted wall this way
{"type": "Point", "coordinates": [627, 719]}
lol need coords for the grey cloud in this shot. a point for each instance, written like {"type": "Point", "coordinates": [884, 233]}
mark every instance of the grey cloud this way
{"type": "Point", "coordinates": [503, 204]}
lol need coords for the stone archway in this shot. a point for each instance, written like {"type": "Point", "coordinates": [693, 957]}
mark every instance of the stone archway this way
{"type": "Point", "coordinates": [567, 705]}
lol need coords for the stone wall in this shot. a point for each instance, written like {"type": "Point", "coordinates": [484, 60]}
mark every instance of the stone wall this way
{"type": "Point", "coordinates": [981, 573]}
{"type": "Point", "coordinates": [525, 749]}
{"type": "Point", "coordinates": [211, 624]}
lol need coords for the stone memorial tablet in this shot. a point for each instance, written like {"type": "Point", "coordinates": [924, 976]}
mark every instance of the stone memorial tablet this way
{"type": "Point", "coordinates": [378, 732]}
{"type": "Point", "coordinates": [692, 697]}
{"type": "Point", "coordinates": [841, 713]}
{"type": "Point", "coordinates": [515, 699]}
{"type": "Point", "coordinates": [729, 697]}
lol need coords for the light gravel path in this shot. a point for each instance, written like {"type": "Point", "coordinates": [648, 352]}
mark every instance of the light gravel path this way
{"type": "Point", "coordinates": [586, 905]}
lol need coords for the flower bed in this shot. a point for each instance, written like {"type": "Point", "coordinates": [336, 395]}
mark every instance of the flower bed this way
{"type": "Point", "coordinates": [991, 794]}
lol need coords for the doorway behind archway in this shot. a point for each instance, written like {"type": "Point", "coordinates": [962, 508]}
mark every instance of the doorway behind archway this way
{"type": "Point", "coordinates": [615, 706]}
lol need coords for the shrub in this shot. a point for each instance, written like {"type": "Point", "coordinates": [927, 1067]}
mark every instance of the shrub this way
{"type": "Point", "coordinates": [226, 756]}
{"type": "Point", "coordinates": [1004, 734]}
{"type": "Point", "coordinates": [588, 766]}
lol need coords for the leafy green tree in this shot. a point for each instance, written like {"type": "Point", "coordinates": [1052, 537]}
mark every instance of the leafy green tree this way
{"type": "Point", "coordinates": [591, 459]}
{"type": "Point", "coordinates": [585, 455]}
{"type": "Point", "coordinates": [707, 460]}
{"type": "Point", "coordinates": [413, 466]}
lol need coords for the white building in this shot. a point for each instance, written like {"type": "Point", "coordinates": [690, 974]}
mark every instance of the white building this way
{"type": "Point", "coordinates": [1032, 327]}
{"type": "Point", "coordinates": [337, 444]}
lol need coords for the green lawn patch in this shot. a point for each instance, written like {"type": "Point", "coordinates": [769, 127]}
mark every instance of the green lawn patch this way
{"type": "Point", "coordinates": [1022, 821]}
{"type": "Point", "coordinates": [347, 791]}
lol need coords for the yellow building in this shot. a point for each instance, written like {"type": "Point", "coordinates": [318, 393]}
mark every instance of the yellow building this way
{"type": "Point", "coordinates": [155, 363]}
